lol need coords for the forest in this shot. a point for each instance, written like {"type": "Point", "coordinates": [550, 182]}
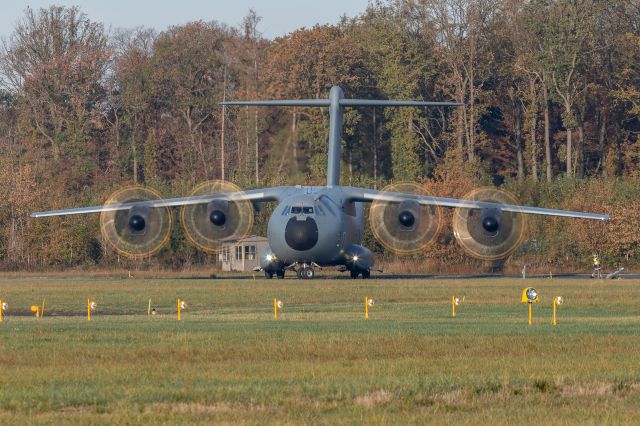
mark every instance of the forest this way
{"type": "Point", "coordinates": [551, 90]}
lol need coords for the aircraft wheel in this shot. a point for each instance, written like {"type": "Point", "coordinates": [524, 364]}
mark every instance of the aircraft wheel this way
{"type": "Point", "coordinates": [308, 273]}
{"type": "Point", "coordinates": [354, 274]}
{"type": "Point", "coordinates": [299, 272]}
{"type": "Point", "coordinates": [366, 274]}
{"type": "Point", "coordinates": [280, 274]}
{"type": "Point", "coordinates": [268, 275]}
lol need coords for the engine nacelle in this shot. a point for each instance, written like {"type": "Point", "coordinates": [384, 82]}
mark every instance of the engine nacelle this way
{"type": "Point", "coordinates": [269, 262]}
{"type": "Point", "coordinates": [218, 213]}
{"type": "Point", "coordinates": [137, 220]}
{"type": "Point", "coordinates": [358, 259]}
{"type": "Point", "coordinates": [408, 215]}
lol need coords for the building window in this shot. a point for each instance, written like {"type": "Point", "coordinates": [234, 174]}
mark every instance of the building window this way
{"type": "Point", "coordinates": [225, 254]}
{"type": "Point", "coordinates": [250, 252]}
{"type": "Point", "coordinates": [238, 252]}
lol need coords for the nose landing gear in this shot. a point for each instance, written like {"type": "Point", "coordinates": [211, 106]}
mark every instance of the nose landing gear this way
{"type": "Point", "coordinates": [306, 272]}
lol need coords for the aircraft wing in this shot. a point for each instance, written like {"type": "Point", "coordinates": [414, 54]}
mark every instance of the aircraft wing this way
{"type": "Point", "coordinates": [370, 195]}
{"type": "Point", "coordinates": [253, 195]}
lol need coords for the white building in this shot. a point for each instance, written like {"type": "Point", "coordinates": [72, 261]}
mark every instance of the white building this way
{"type": "Point", "coordinates": [242, 255]}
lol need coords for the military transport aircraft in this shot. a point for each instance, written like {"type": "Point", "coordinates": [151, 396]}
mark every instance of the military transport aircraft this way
{"type": "Point", "coordinates": [317, 226]}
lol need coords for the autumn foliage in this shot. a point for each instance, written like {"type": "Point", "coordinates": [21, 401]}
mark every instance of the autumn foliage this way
{"type": "Point", "coordinates": [551, 95]}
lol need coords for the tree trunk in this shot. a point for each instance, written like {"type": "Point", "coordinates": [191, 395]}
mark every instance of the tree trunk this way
{"type": "Point", "coordinates": [580, 166]}
{"type": "Point", "coordinates": [134, 153]}
{"type": "Point", "coordinates": [601, 142]}
{"type": "Point", "coordinates": [294, 125]}
{"type": "Point", "coordinates": [569, 152]}
{"type": "Point", "coordinates": [519, 153]}
{"type": "Point", "coordinates": [224, 113]}
{"type": "Point", "coordinates": [375, 153]}
{"type": "Point", "coordinates": [547, 141]}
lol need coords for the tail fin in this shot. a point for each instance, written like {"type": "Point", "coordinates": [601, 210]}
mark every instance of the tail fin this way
{"type": "Point", "coordinates": [336, 104]}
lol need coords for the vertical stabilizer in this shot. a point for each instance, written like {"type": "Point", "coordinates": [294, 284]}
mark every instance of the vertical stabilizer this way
{"type": "Point", "coordinates": [336, 104]}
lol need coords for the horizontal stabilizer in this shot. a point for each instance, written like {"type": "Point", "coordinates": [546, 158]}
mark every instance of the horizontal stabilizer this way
{"type": "Point", "coordinates": [284, 102]}
{"type": "Point", "coordinates": [342, 102]}
{"type": "Point", "coordinates": [380, 102]}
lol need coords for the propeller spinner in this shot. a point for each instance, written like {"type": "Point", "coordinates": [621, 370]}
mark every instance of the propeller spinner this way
{"type": "Point", "coordinates": [137, 232]}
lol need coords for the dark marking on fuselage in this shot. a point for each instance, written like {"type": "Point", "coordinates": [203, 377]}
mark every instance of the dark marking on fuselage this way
{"type": "Point", "coordinates": [301, 235]}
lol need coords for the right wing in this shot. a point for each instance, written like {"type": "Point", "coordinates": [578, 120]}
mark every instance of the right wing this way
{"type": "Point", "coordinates": [253, 195]}
{"type": "Point", "coordinates": [370, 195]}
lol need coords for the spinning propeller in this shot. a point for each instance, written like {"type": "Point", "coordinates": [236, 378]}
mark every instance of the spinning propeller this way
{"type": "Point", "coordinates": [210, 225]}
{"type": "Point", "coordinates": [489, 233]}
{"type": "Point", "coordinates": [139, 231]}
{"type": "Point", "coordinates": [404, 227]}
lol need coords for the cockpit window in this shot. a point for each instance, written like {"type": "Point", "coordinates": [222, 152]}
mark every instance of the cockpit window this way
{"type": "Point", "coordinates": [301, 210]}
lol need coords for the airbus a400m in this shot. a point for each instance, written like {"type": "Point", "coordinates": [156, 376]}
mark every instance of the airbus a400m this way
{"type": "Point", "coordinates": [317, 226]}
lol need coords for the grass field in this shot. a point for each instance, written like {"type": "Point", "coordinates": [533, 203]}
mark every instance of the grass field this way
{"type": "Point", "coordinates": [229, 361]}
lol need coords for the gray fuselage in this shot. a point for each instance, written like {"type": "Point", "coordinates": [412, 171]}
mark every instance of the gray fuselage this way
{"type": "Point", "coordinates": [313, 224]}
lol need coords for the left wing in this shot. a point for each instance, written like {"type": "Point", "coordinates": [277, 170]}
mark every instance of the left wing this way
{"type": "Point", "coordinates": [370, 195]}
{"type": "Point", "coordinates": [254, 195]}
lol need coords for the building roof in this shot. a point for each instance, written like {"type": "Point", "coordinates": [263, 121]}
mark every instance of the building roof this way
{"type": "Point", "coordinates": [248, 239]}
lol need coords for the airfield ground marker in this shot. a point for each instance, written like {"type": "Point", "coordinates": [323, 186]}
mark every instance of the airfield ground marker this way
{"type": "Point", "coordinates": [2, 308]}
{"type": "Point", "coordinates": [455, 301]}
{"type": "Point", "coordinates": [529, 296]}
{"type": "Point", "coordinates": [179, 307]}
{"type": "Point", "coordinates": [556, 301]}
{"type": "Point", "coordinates": [149, 309]}
{"type": "Point", "coordinates": [277, 305]}
{"type": "Point", "coordinates": [91, 306]}
{"type": "Point", "coordinates": [36, 310]}
{"type": "Point", "coordinates": [42, 310]}
{"type": "Point", "coordinates": [368, 303]}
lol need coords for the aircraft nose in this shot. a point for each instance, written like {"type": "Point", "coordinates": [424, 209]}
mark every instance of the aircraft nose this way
{"type": "Point", "coordinates": [301, 235]}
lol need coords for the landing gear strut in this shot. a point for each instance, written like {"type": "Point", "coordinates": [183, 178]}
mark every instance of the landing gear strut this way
{"type": "Point", "coordinates": [279, 273]}
{"type": "Point", "coordinates": [365, 274]}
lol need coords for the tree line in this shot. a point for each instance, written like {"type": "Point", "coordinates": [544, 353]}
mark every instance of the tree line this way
{"type": "Point", "coordinates": [550, 88]}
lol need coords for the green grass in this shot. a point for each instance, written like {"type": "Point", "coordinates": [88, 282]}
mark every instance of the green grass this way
{"type": "Point", "coordinates": [229, 361]}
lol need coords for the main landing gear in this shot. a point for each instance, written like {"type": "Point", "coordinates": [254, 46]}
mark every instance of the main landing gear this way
{"type": "Point", "coordinates": [279, 273]}
{"type": "Point", "coordinates": [365, 274]}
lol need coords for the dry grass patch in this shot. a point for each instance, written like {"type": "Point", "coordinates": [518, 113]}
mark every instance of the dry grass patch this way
{"type": "Point", "coordinates": [374, 399]}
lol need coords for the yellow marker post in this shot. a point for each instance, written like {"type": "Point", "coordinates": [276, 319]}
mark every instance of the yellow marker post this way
{"type": "Point", "coordinates": [36, 310]}
{"type": "Point", "coordinates": [453, 306]}
{"type": "Point", "coordinates": [529, 296]}
{"type": "Point", "coordinates": [149, 309]}
{"type": "Point", "coordinates": [1, 309]}
{"type": "Point", "coordinates": [366, 308]}
{"type": "Point", "coordinates": [42, 310]}
{"type": "Point", "coordinates": [275, 308]}
{"type": "Point", "coordinates": [179, 309]}
{"type": "Point", "coordinates": [556, 301]}
{"type": "Point", "coordinates": [89, 309]}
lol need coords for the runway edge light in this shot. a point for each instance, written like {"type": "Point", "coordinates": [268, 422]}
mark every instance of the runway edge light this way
{"type": "Point", "coordinates": [455, 301]}
{"type": "Point", "coordinates": [556, 301]}
{"type": "Point", "coordinates": [368, 303]}
{"type": "Point", "coordinates": [529, 296]}
{"type": "Point", "coordinates": [91, 306]}
{"type": "Point", "coordinates": [277, 305]}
